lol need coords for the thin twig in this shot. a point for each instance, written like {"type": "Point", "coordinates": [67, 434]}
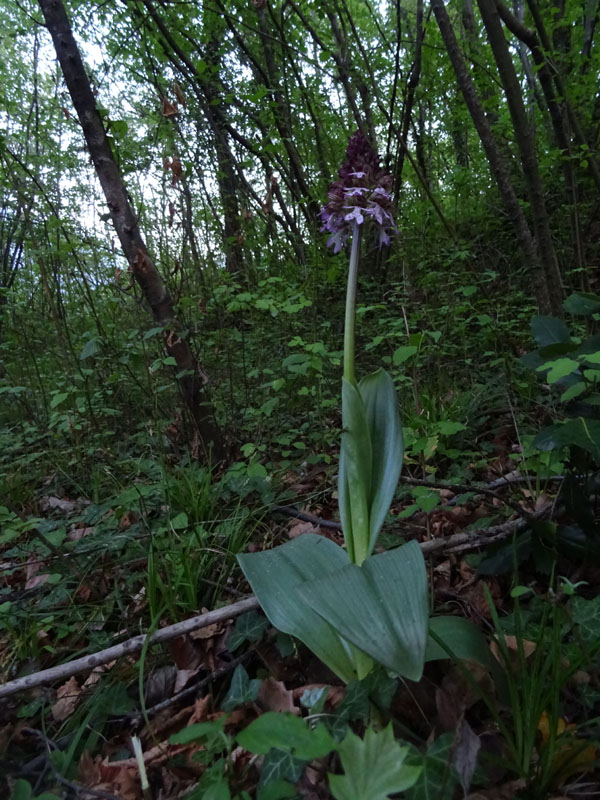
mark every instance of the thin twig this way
{"type": "Point", "coordinates": [137, 717]}
{"type": "Point", "coordinates": [472, 540]}
{"type": "Point", "coordinates": [133, 645]}
{"type": "Point", "coordinates": [459, 542]}
{"type": "Point", "coordinates": [459, 488]}
{"type": "Point", "coordinates": [78, 788]}
{"type": "Point", "coordinates": [290, 511]}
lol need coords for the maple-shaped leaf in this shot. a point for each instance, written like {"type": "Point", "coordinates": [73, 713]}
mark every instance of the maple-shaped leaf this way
{"type": "Point", "coordinates": [373, 767]}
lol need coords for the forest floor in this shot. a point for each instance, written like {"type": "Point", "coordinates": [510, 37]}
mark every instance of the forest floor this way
{"type": "Point", "coordinates": [85, 571]}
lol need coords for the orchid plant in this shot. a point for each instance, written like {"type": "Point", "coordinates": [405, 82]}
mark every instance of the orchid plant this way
{"type": "Point", "coordinates": [372, 449]}
{"type": "Point", "coordinates": [350, 607]}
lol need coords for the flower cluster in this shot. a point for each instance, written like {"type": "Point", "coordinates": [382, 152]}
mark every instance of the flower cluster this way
{"type": "Point", "coordinates": [362, 192]}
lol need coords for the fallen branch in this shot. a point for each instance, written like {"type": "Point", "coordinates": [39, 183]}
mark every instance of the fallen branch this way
{"type": "Point", "coordinates": [304, 516]}
{"type": "Point", "coordinates": [134, 645]}
{"type": "Point", "coordinates": [469, 540]}
{"type": "Point", "coordinates": [458, 542]}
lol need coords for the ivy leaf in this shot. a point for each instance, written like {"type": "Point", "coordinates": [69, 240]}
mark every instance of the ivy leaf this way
{"type": "Point", "coordinates": [242, 690]}
{"type": "Point", "coordinates": [280, 765]}
{"type": "Point", "coordinates": [277, 790]}
{"type": "Point", "coordinates": [248, 628]}
{"type": "Point", "coordinates": [373, 767]}
{"type": "Point", "coordinates": [438, 779]}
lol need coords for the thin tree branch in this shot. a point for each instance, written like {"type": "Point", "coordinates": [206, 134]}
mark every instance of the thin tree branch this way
{"type": "Point", "coordinates": [133, 645]}
{"type": "Point", "coordinates": [459, 542]}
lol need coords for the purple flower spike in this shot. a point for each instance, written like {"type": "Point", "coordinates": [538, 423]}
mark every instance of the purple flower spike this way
{"type": "Point", "coordinates": [362, 193]}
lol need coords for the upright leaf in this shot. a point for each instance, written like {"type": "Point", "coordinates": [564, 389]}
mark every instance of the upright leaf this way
{"type": "Point", "coordinates": [387, 448]}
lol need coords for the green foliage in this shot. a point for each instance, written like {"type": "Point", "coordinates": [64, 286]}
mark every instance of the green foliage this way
{"type": "Point", "coordinates": [373, 767]}
{"type": "Point", "coordinates": [569, 363]}
{"type": "Point", "coordinates": [370, 460]}
{"type": "Point", "coordinates": [90, 404]}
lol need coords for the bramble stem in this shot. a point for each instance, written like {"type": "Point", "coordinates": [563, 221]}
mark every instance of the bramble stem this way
{"type": "Point", "coordinates": [351, 306]}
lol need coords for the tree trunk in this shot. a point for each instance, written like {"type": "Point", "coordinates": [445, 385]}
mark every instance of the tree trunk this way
{"type": "Point", "coordinates": [192, 384]}
{"type": "Point", "coordinates": [497, 166]}
{"type": "Point", "coordinates": [526, 143]}
{"type": "Point", "coordinates": [409, 96]}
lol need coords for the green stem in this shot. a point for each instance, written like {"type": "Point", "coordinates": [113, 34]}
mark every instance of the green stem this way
{"type": "Point", "coordinates": [351, 306]}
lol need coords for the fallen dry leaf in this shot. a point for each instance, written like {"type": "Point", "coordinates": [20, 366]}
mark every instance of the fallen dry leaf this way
{"type": "Point", "coordinates": [78, 532]}
{"type": "Point", "coordinates": [273, 696]}
{"type": "Point", "coordinates": [183, 677]}
{"type": "Point", "coordinates": [185, 653]}
{"type": "Point", "coordinates": [33, 576]}
{"type": "Point", "coordinates": [68, 696]}
{"type": "Point", "coordinates": [300, 527]}
{"type": "Point", "coordinates": [127, 520]}
{"type": "Point", "coordinates": [507, 791]}
{"type": "Point", "coordinates": [49, 503]}
{"type": "Point", "coordinates": [513, 644]}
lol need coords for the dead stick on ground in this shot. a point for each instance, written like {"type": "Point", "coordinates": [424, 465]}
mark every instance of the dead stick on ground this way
{"type": "Point", "coordinates": [456, 543]}
{"type": "Point", "coordinates": [133, 645]}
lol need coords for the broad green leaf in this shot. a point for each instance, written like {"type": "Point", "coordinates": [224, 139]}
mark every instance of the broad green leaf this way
{"type": "Point", "coordinates": [276, 577]}
{"type": "Point", "coordinates": [199, 731]}
{"type": "Point", "coordinates": [373, 767]}
{"type": "Point", "coordinates": [448, 428]}
{"type": "Point", "coordinates": [354, 478]}
{"type": "Point", "coordinates": [91, 348]}
{"type": "Point", "coordinates": [581, 432]}
{"type": "Point", "coordinates": [582, 303]}
{"type": "Point", "coordinates": [285, 731]}
{"type": "Point", "coordinates": [387, 448]}
{"type": "Point", "coordinates": [58, 399]}
{"type": "Point", "coordinates": [217, 791]}
{"type": "Point", "coordinates": [573, 391]}
{"type": "Point", "coordinates": [559, 368]}
{"type": "Point", "coordinates": [456, 636]}
{"type": "Point", "coordinates": [590, 345]}
{"type": "Point", "coordinates": [549, 330]}
{"type": "Point", "coordinates": [153, 332]}
{"type": "Point", "coordinates": [402, 354]}
{"type": "Point", "coordinates": [382, 607]}
{"type": "Point", "coordinates": [21, 790]}
{"type": "Point", "coordinates": [179, 522]}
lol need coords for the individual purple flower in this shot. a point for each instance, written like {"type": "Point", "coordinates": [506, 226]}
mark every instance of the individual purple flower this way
{"type": "Point", "coordinates": [361, 193]}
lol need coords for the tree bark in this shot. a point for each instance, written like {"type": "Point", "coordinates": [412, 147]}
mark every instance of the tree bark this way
{"type": "Point", "coordinates": [409, 96]}
{"type": "Point", "coordinates": [524, 136]}
{"type": "Point", "coordinates": [192, 384]}
{"type": "Point", "coordinates": [497, 166]}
